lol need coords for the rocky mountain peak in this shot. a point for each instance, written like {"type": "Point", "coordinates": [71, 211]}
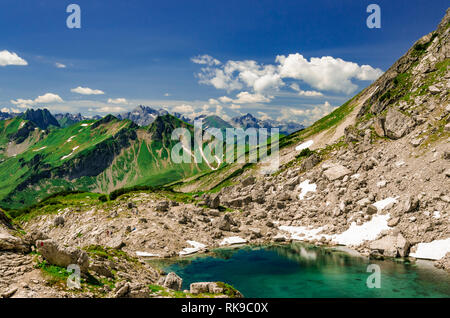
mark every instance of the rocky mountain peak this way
{"type": "Point", "coordinates": [41, 117]}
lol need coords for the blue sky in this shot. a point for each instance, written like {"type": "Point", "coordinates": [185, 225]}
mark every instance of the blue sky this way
{"type": "Point", "coordinates": [276, 59]}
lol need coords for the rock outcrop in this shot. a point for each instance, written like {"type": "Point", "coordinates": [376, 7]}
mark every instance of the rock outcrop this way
{"type": "Point", "coordinates": [62, 256]}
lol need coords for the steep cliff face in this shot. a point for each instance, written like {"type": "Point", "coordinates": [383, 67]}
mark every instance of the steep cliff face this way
{"type": "Point", "coordinates": [41, 117]}
{"type": "Point", "coordinates": [421, 72]}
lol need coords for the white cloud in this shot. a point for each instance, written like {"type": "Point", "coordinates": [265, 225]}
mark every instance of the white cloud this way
{"type": "Point", "coordinates": [167, 94]}
{"type": "Point", "coordinates": [87, 91]}
{"type": "Point", "coordinates": [183, 109]}
{"type": "Point", "coordinates": [117, 101]}
{"type": "Point", "coordinates": [301, 92]}
{"type": "Point", "coordinates": [110, 109]}
{"type": "Point", "coordinates": [225, 99]}
{"type": "Point", "coordinates": [264, 116]}
{"type": "Point", "coordinates": [325, 73]}
{"type": "Point", "coordinates": [47, 98]}
{"type": "Point", "coordinates": [213, 101]}
{"type": "Point", "coordinates": [60, 65]}
{"type": "Point", "coordinates": [234, 106]}
{"type": "Point", "coordinates": [246, 98]}
{"type": "Point", "coordinates": [11, 58]}
{"type": "Point", "coordinates": [205, 60]}
{"type": "Point", "coordinates": [10, 110]}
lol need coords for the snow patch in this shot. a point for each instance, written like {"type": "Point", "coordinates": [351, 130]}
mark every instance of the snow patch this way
{"type": "Point", "coordinates": [196, 246]}
{"type": "Point", "coordinates": [434, 250]}
{"type": "Point", "coordinates": [233, 240]}
{"type": "Point", "coordinates": [304, 145]}
{"type": "Point", "coordinates": [357, 234]}
{"type": "Point", "coordinates": [301, 233]}
{"type": "Point", "coordinates": [146, 254]}
{"type": "Point", "coordinates": [67, 156]}
{"type": "Point", "coordinates": [42, 148]}
{"type": "Point", "coordinates": [306, 187]}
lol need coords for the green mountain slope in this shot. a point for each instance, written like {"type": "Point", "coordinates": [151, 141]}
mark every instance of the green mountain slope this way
{"type": "Point", "coordinates": [98, 156]}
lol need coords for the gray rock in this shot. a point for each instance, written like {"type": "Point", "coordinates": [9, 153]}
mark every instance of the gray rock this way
{"type": "Point", "coordinates": [411, 204]}
{"type": "Point", "coordinates": [173, 281]}
{"type": "Point", "coordinates": [162, 206]}
{"type": "Point", "coordinates": [122, 290]}
{"type": "Point", "coordinates": [336, 172]}
{"type": "Point", "coordinates": [248, 181]}
{"type": "Point", "coordinates": [213, 201]}
{"type": "Point", "coordinates": [391, 245]}
{"type": "Point", "coordinates": [205, 287]}
{"type": "Point", "coordinates": [434, 90]}
{"type": "Point", "coordinates": [393, 221]}
{"type": "Point", "coordinates": [62, 256]}
{"type": "Point", "coordinates": [415, 142]}
{"type": "Point", "coordinates": [59, 221]}
{"type": "Point", "coordinates": [372, 209]}
{"type": "Point", "coordinates": [397, 124]}
{"type": "Point", "coordinates": [9, 242]}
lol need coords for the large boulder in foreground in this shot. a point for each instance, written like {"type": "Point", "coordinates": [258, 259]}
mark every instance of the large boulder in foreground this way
{"type": "Point", "coordinates": [62, 256]}
{"type": "Point", "coordinates": [391, 246]}
{"type": "Point", "coordinates": [397, 125]}
{"type": "Point", "coordinates": [173, 281]}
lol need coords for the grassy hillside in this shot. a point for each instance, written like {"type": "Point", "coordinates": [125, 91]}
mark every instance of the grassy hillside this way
{"type": "Point", "coordinates": [98, 156]}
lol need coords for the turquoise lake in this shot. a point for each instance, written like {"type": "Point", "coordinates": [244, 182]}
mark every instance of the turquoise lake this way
{"type": "Point", "coordinates": [298, 270]}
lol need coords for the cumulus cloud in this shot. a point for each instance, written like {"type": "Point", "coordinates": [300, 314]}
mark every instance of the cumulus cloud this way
{"type": "Point", "coordinates": [87, 91]}
{"type": "Point", "coordinates": [110, 109]}
{"type": "Point", "coordinates": [183, 108]}
{"type": "Point", "coordinates": [60, 65]}
{"type": "Point", "coordinates": [205, 60]}
{"type": "Point", "coordinates": [11, 58]}
{"type": "Point", "coordinates": [117, 101]}
{"type": "Point", "coordinates": [213, 101]}
{"type": "Point", "coordinates": [325, 73]}
{"type": "Point", "coordinates": [167, 94]}
{"type": "Point", "coordinates": [47, 98]}
{"type": "Point", "coordinates": [264, 116]}
{"type": "Point", "coordinates": [246, 98]}
{"type": "Point", "coordinates": [301, 92]}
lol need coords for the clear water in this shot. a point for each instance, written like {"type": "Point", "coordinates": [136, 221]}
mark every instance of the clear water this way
{"type": "Point", "coordinates": [299, 270]}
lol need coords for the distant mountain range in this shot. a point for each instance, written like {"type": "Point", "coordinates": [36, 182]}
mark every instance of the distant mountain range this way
{"type": "Point", "coordinates": [41, 153]}
{"type": "Point", "coordinates": [38, 157]}
{"type": "Point", "coordinates": [144, 116]}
